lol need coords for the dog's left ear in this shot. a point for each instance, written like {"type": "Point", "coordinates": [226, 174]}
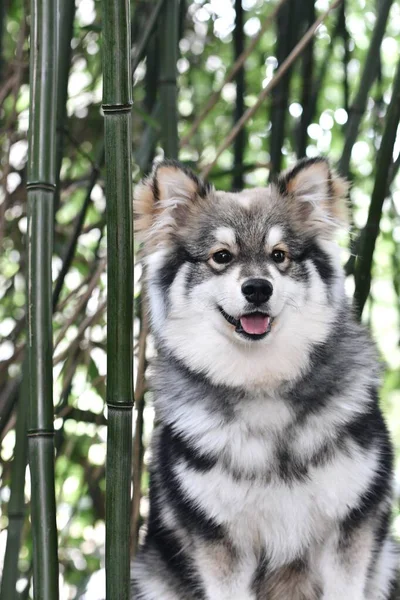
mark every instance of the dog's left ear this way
{"type": "Point", "coordinates": [318, 193]}
{"type": "Point", "coordinates": [162, 199]}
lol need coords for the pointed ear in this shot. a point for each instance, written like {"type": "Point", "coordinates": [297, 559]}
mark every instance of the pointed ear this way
{"type": "Point", "coordinates": [161, 198]}
{"type": "Point", "coordinates": [317, 193]}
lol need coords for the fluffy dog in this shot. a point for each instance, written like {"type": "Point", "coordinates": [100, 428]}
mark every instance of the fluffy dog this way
{"type": "Point", "coordinates": [271, 467]}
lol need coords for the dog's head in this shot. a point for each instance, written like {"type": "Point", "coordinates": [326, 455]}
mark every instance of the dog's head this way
{"type": "Point", "coordinates": [241, 285]}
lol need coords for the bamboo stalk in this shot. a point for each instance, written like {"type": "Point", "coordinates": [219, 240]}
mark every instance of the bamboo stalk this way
{"type": "Point", "coordinates": [65, 21]}
{"type": "Point", "coordinates": [117, 105]}
{"type": "Point", "coordinates": [368, 76]}
{"type": "Point", "coordinates": [297, 50]}
{"type": "Point", "coordinates": [147, 33]}
{"type": "Point", "coordinates": [239, 145]}
{"type": "Point", "coordinates": [346, 56]}
{"type": "Point", "coordinates": [289, 24]}
{"type": "Point", "coordinates": [168, 29]}
{"type": "Point", "coordinates": [41, 191]}
{"type": "Point", "coordinates": [371, 229]}
{"type": "Point", "coordinates": [144, 153]}
{"type": "Point", "coordinates": [231, 74]}
{"type": "Point", "coordinates": [325, 62]}
{"type": "Point", "coordinates": [2, 21]}
{"type": "Point", "coordinates": [307, 77]}
{"type": "Point", "coordinates": [16, 505]}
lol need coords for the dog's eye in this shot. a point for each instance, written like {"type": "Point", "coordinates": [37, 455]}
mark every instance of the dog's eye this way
{"type": "Point", "coordinates": [222, 257]}
{"type": "Point", "coordinates": [278, 256]}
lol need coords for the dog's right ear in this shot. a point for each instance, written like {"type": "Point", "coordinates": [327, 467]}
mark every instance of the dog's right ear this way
{"type": "Point", "coordinates": [162, 197]}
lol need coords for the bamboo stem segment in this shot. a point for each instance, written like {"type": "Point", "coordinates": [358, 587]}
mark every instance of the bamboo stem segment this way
{"type": "Point", "coordinates": [117, 103]}
{"type": "Point", "coordinates": [368, 77]}
{"type": "Point", "coordinates": [370, 233]}
{"type": "Point", "coordinates": [168, 27]}
{"type": "Point", "coordinates": [41, 190]}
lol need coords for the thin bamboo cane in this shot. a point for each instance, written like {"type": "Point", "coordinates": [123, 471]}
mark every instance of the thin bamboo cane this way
{"type": "Point", "coordinates": [240, 141]}
{"type": "Point", "coordinates": [289, 25]}
{"type": "Point", "coordinates": [2, 21]}
{"type": "Point", "coordinates": [368, 76]}
{"type": "Point", "coordinates": [16, 505]}
{"type": "Point", "coordinates": [231, 74]}
{"type": "Point", "coordinates": [168, 29]}
{"type": "Point", "coordinates": [297, 50]}
{"type": "Point", "coordinates": [65, 20]}
{"type": "Point", "coordinates": [307, 77]}
{"type": "Point", "coordinates": [371, 230]}
{"type": "Point", "coordinates": [147, 33]}
{"type": "Point", "coordinates": [117, 105]}
{"type": "Point", "coordinates": [41, 190]}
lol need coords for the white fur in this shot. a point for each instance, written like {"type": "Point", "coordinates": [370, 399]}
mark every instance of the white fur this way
{"type": "Point", "coordinates": [225, 235]}
{"type": "Point", "coordinates": [284, 519]}
{"type": "Point", "coordinates": [275, 235]}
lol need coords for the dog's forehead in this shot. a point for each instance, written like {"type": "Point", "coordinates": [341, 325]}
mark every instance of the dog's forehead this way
{"type": "Point", "coordinates": [247, 216]}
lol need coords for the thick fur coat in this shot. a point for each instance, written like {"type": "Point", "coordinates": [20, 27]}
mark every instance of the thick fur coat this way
{"type": "Point", "coordinates": [271, 469]}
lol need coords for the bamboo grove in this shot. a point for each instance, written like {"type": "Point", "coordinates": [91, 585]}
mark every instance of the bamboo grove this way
{"type": "Point", "coordinates": [90, 94]}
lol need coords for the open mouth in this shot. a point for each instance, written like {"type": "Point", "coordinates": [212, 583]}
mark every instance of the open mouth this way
{"type": "Point", "coordinates": [253, 326]}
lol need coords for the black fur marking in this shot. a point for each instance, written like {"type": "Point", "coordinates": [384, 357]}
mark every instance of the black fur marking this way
{"type": "Point", "coordinates": [260, 574]}
{"type": "Point", "coordinates": [366, 428]}
{"type": "Point", "coordinates": [171, 267]}
{"type": "Point", "coordinates": [173, 554]}
{"type": "Point", "coordinates": [290, 469]}
{"type": "Point", "coordinates": [190, 515]}
{"type": "Point", "coordinates": [320, 260]}
{"type": "Point", "coordinates": [376, 492]}
{"type": "Point", "coordinates": [383, 529]}
{"type": "Point", "coordinates": [180, 448]}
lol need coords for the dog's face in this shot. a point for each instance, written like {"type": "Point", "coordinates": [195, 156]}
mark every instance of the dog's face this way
{"type": "Point", "coordinates": [242, 284]}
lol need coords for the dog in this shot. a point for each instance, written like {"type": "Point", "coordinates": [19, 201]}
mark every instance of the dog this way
{"type": "Point", "coordinates": [271, 469]}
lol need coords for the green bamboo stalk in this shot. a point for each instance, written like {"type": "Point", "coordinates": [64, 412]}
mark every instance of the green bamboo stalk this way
{"type": "Point", "coordinates": [346, 55]}
{"type": "Point", "coordinates": [145, 151]}
{"type": "Point", "coordinates": [117, 105]}
{"type": "Point", "coordinates": [371, 66]}
{"type": "Point", "coordinates": [368, 239]}
{"type": "Point", "coordinates": [307, 76]}
{"type": "Point", "coordinates": [65, 21]}
{"type": "Point", "coordinates": [41, 191]}
{"type": "Point", "coordinates": [147, 34]}
{"type": "Point", "coordinates": [16, 504]}
{"type": "Point", "coordinates": [318, 85]}
{"type": "Point", "coordinates": [2, 21]}
{"type": "Point", "coordinates": [168, 29]}
{"type": "Point", "coordinates": [288, 29]}
{"type": "Point", "coordinates": [239, 144]}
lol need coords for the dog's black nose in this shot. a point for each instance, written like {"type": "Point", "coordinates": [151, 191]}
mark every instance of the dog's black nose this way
{"type": "Point", "coordinates": [257, 291]}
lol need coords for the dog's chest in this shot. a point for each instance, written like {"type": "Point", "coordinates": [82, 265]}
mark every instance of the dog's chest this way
{"type": "Point", "coordinates": [261, 506]}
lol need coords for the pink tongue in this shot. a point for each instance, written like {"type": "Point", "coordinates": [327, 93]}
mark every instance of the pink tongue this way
{"type": "Point", "coordinates": [255, 324]}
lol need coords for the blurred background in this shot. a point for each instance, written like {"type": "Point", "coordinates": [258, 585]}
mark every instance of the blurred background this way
{"type": "Point", "coordinates": [334, 92]}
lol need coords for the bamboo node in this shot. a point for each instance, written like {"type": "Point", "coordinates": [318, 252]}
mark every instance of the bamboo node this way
{"type": "Point", "coordinates": [117, 108]}
{"type": "Point", "coordinates": [41, 185]}
{"type": "Point", "coordinates": [38, 433]}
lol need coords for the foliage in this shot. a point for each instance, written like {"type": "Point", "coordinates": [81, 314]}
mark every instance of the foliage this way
{"type": "Point", "coordinates": [315, 121]}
